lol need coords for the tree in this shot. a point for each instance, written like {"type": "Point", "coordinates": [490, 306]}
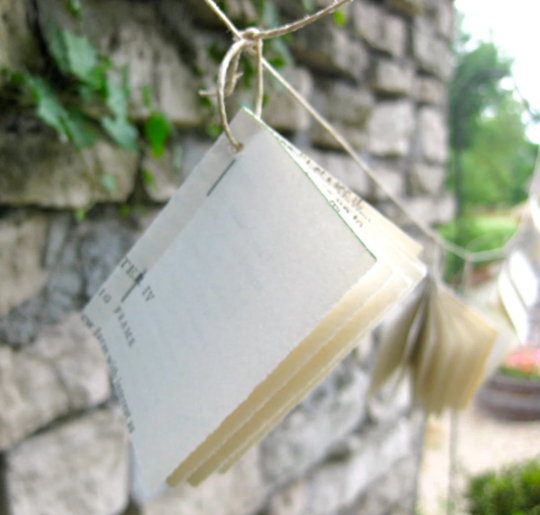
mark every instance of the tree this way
{"type": "Point", "coordinates": [492, 157]}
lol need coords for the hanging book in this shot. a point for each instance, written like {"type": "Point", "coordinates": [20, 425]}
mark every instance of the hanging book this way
{"type": "Point", "coordinates": [260, 274]}
{"type": "Point", "coordinates": [445, 343]}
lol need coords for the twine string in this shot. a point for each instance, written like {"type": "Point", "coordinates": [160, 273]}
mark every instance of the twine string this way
{"type": "Point", "coordinates": [249, 40]}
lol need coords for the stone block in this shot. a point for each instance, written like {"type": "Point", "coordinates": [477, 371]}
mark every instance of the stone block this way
{"type": "Point", "coordinates": [445, 19]}
{"type": "Point", "coordinates": [357, 137]}
{"type": "Point", "coordinates": [78, 467]}
{"type": "Point", "coordinates": [432, 53]}
{"type": "Point", "coordinates": [202, 14]}
{"type": "Point", "coordinates": [240, 491]}
{"type": "Point", "coordinates": [328, 49]}
{"type": "Point", "coordinates": [429, 90]}
{"type": "Point", "coordinates": [22, 243]}
{"type": "Point", "coordinates": [18, 47]}
{"type": "Point", "coordinates": [429, 210]}
{"type": "Point", "coordinates": [336, 484]}
{"type": "Point", "coordinates": [382, 31]}
{"type": "Point", "coordinates": [426, 179]}
{"type": "Point", "coordinates": [393, 78]}
{"type": "Point", "coordinates": [82, 256]}
{"type": "Point", "coordinates": [433, 133]}
{"type": "Point", "coordinates": [341, 102]}
{"type": "Point", "coordinates": [283, 112]}
{"type": "Point", "coordinates": [132, 34]}
{"type": "Point", "coordinates": [330, 413]}
{"type": "Point", "coordinates": [63, 372]}
{"type": "Point", "coordinates": [390, 128]}
{"type": "Point", "coordinates": [160, 178]}
{"type": "Point", "coordinates": [391, 176]}
{"type": "Point", "coordinates": [408, 7]}
{"type": "Point", "coordinates": [37, 169]}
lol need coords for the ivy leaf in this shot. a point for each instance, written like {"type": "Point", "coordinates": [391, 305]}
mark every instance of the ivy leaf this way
{"type": "Point", "coordinates": [68, 124]}
{"type": "Point", "coordinates": [80, 132]}
{"type": "Point", "coordinates": [116, 96]}
{"type": "Point", "coordinates": [121, 130]}
{"type": "Point", "coordinates": [157, 129]}
{"type": "Point", "coordinates": [340, 18]}
{"type": "Point", "coordinates": [214, 130]}
{"type": "Point", "coordinates": [75, 8]}
{"type": "Point", "coordinates": [82, 56]}
{"type": "Point", "coordinates": [108, 181]}
{"type": "Point", "coordinates": [79, 214]}
{"type": "Point", "coordinates": [73, 54]}
{"type": "Point", "coordinates": [148, 177]}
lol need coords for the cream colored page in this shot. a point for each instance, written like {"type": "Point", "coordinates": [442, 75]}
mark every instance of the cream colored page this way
{"type": "Point", "coordinates": [351, 303]}
{"type": "Point", "coordinates": [410, 269]}
{"type": "Point", "coordinates": [319, 367]}
{"type": "Point", "coordinates": [258, 264]}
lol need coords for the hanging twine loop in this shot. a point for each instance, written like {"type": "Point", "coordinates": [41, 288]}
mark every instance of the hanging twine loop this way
{"type": "Point", "coordinates": [251, 40]}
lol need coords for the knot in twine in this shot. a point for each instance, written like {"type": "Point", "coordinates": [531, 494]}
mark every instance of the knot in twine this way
{"type": "Point", "coordinates": [251, 40]}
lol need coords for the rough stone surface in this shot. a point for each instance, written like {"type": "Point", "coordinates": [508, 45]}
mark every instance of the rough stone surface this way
{"type": "Point", "coordinates": [341, 481]}
{"type": "Point", "coordinates": [240, 491]}
{"type": "Point", "coordinates": [431, 210]}
{"type": "Point", "coordinates": [381, 499]}
{"type": "Point", "coordinates": [445, 19]}
{"type": "Point", "coordinates": [18, 47]}
{"type": "Point", "coordinates": [410, 7]}
{"type": "Point", "coordinates": [326, 416]}
{"type": "Point", "coordinates": [426, 179]}
{"type": "Point", "coordinates": [283, 112]}
{"type": "Point", "coordinates": [393, 78]}
{"type": "Point", "coordinates": [81, 257]}
{"type": "Point", "coordinates": [391, 127]}
{"type": "Point", "coordinates": [22, 274]}
{"type": "Point", "coordinates": [131, 34]}
{"type": "Point", "coordinates": [327, 49]}
{"type": "Point", "coordinates": [432, 53]}
{"type": "Point", "coordinates": [37, 169]}
{"type": "Point", "coordinates": [380, 30]}
{"type": "Point", "coordinates": [390, 173]}
{"type": "Point", "coordinates": [381, 80]}
{"type": "Point", "coordinates": [78, 467]}
{"type": "Point", "coordinates": [64, 371]}
{"type": "Point", "coordinates": [344, 103]}
{"type": "Point", "coordinates": [433, 135]}
{"type": "Point", "coordinates": [430, 91]}
{"type": "Point", "coordinates": [160, 178]}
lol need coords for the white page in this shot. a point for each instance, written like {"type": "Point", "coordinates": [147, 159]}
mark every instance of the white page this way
{"type": "Point", "coordinates": [240, 267]}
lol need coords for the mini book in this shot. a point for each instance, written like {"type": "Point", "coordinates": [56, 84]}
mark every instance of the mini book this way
{"type": "Point", "coordinates": [259, 276]}
{"type": "Point", "coordinates": [448, 347]}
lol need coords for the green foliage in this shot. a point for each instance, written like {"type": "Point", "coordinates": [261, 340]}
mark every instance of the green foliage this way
{"type": "Point", "coordinates": [340, 18]}
{"type": "Point", "coordinates": [474, 88]}
{"type": "Point", "coordinates": [87, 94]}
{"type": "Point", "coordinates": [157, 129]}
{"type": "Point", "coordinates": [520, 374]}
{"type": "Point", "coordinates": [148, 178]}
{"type": "Point", "coordinates": [514, 491]}
{"type": "Point", "coordinates": [477, 233]}
{"type": "Point", "coordinates": [487, 132]}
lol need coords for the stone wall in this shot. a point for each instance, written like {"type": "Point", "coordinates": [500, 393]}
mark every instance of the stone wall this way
{"type": "Point", "coordinates": [381, 79]}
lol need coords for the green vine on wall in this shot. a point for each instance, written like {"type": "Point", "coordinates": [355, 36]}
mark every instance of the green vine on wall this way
{"type": "Point", "coordinates": [88, 96]}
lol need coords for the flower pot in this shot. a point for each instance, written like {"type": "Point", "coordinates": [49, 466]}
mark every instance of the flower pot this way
{"type": "Point", "coordinates": [510, 398]}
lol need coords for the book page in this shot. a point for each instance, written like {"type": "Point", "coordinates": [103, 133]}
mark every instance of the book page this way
{"type": "Point", "coordinates": [240, 267]}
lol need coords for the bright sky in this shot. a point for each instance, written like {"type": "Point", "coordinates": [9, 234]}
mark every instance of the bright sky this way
{"type": "Point", "coordinates": [515, 26]}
